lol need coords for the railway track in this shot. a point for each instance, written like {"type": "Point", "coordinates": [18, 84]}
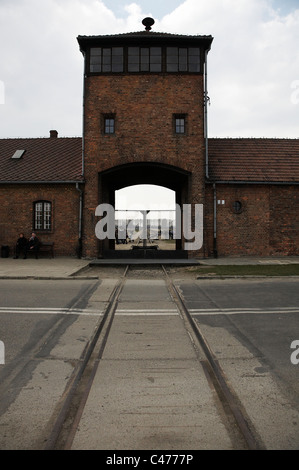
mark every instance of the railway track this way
{"type": "Point", "coordinates": [63, 428]}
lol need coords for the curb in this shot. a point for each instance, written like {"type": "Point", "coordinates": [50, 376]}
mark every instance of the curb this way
{"type": "Point", "coordinates": [51, 278]}
{"type": "Point", "coordinates": [249, 276]}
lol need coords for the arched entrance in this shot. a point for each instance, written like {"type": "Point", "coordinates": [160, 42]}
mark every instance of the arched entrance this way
{"type": "Point", "coordinates": [132, 174]}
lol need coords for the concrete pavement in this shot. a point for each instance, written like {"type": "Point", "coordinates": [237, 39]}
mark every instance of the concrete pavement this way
{"type": "Point", "coordinates": [66, 267]}
{"type": "Point", "coordinates": [42, 268]}
{"type": "Point", "coordinates": [148, 378]}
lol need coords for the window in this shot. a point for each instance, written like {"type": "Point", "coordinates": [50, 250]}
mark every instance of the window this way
{"type": "Point", "coordinates": [42, 215]}
{"type": "Point", "coordinates": [179, 124]}
{"type": "Point", "coordinates": [109, 124]}
{"type": "Point", "coordinates": [183, 59]}
{"type": "Point", "coordinates": [106, 59]}
{"type": "Point", "coordinates": [144, 59]}
{"type": "Point", "coordinates": [237, 207]}
{"type": "Point", "coordinates": [194, 59]}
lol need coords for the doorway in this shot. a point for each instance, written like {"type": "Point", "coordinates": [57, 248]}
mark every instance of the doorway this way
{"type": "Point", "coordinates": [145, 217]}
{"type": "Point", "coordinates": [148, 194]}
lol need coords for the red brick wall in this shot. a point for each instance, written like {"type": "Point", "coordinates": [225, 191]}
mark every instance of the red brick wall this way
{"type": "Point", "coordinates": [16, 215]}
{"type": "Point", "coordinates": [143, 106]}
{"type": "Point", "coordinates": [267, 225]}
{"type": "Point", "coordinates": [284, 220]}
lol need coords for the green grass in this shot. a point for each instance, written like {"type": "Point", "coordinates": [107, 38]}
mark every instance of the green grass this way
{"type": "Point", "coordinates": [249, 270]}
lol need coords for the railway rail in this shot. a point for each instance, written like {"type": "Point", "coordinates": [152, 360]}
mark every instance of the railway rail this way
{"type": "Point", "coordinates": [63, 427]}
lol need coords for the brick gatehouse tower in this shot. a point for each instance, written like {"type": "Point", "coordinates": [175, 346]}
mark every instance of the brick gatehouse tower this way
{"type": "Point", "coordinates": [144, 120]}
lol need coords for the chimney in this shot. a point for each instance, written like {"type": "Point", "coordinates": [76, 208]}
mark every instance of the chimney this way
{"type": "Point", "coordinates": [53, 134]}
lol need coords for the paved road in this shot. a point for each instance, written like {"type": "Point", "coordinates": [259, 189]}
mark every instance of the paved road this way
{"type": "Point", "coordinates": [262, 314]}
{"type": "Point", "coordinates": [45, 326]}
{"type": "Point", "coordinates": [250, 325]}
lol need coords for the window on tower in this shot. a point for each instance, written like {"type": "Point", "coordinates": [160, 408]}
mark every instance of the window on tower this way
{"type": "Point", "coordinates": [183, 59]}
{"type": "Point", "coordinates": [106, 59]}
{"type": "Point", "coordinates": [109, 124]}
{"type": "Point", "coordinates": [179, 123]}
{"type": "Point", "coordinates": [144, 59]}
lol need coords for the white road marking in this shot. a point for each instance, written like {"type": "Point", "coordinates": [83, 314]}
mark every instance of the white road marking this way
{"type": "Point", "coordinates": [234, 311]}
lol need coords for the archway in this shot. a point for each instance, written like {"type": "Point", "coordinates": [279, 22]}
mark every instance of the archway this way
{"type": "Point", "coordinates": [133, 174]}
{"type": "Point", "coordinates": [145, 216]}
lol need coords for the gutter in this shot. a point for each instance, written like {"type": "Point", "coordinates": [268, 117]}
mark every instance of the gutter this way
{"type": "Point", "coordinates": [83, 115]}
{"type": "Point", "coordinates": [206, 99]}
{"type": "Point", "coordinates": [277, 183]}
{"type": "Point", "coordinates": [215, 223]}
{"type": "Point", "coordinates": [42, 182]}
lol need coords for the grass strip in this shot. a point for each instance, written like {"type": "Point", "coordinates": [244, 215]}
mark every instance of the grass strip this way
{"type": "Point", "coordinates": [249, 270]}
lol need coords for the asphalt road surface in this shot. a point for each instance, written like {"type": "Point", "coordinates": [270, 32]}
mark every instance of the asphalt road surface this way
{"type": "Point", "coordinates": [261, 314]}
{"type": "Point", "coordinates": [46, 326]}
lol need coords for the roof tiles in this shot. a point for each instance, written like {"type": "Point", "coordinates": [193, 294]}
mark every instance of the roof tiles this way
{"type": "Point", "coordinates": [239, 160]}
{"type": "Point", "coordinates": [254, 160]}
{"type": "Point", "coordinates": [45, 159]}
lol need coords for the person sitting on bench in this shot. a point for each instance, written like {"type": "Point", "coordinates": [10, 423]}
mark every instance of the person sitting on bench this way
{"type": "Point", "coordinates": [32, 245]}
{"type": "Point", "coordinates": [21, 245]}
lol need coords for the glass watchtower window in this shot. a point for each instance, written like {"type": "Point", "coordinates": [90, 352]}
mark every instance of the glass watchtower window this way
{"type": "Point", "coordinates": [144, 59]}
{"type": "Point", "coordinates": [194, 59]}
{"type": "Point", "coordinates": [183, 59]}
{"type": "Point", "coordinates": [42, 215]}
{"type": "Point", "coordinates": [106, 59]}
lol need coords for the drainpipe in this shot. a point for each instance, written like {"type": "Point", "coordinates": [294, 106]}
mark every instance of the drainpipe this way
{"type": "Point", "coordinates": [79, 253]}
{"type": "Point", "coordinates": [83, 115]}
{"type": "Point", "coordinates": [206, 99]}
{"type": "Point", "coordinates": [215, 223]}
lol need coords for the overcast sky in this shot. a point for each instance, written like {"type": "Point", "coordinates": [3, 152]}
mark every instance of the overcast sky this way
{"type": "Point", "coordinates": [253, 65]}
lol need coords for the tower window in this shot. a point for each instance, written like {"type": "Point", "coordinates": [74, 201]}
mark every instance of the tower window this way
{"type": "Point", "coordinates": [179, 124]}
{"type": "Point", "coordinates": [144, 59]}
{"type": "Point", "coordinates": [183, 59]}
{"type": "Point", "coordinates": [109, 124]}
{"type": "Point", "coordinates": [106, 59]}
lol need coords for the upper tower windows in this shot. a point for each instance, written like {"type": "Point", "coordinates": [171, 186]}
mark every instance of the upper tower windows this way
{"type": "Point", "coordinates": [106, 59]}
{"type": "Point", "coordinates": [144, 59]}
{"type": "Point", "coordinates": [183, 59]}
{"type": "Point", "coordinates": [139, 59]}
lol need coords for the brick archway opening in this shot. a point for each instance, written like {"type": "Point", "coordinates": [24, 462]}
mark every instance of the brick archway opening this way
{"type": "Point", "coordinates": [132, 174]}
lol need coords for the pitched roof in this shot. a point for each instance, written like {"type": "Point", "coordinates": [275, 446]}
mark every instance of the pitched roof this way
{"type": "Point", "coordinates": [233, 160]}
{"type": "Point", "coordinates": [254, 160]}
{"type": "Point", "coordinates": [44, 160]}
{"type": "Point", "coordinates": [143, 36]}
{"type": "Point", "coordinates": [147, 34]}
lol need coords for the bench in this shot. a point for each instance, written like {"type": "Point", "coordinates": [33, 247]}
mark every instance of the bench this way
{"type": "Point", "coordinates": [43, 247]}
{"type": "Point", "coordinates": [47, 247]}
